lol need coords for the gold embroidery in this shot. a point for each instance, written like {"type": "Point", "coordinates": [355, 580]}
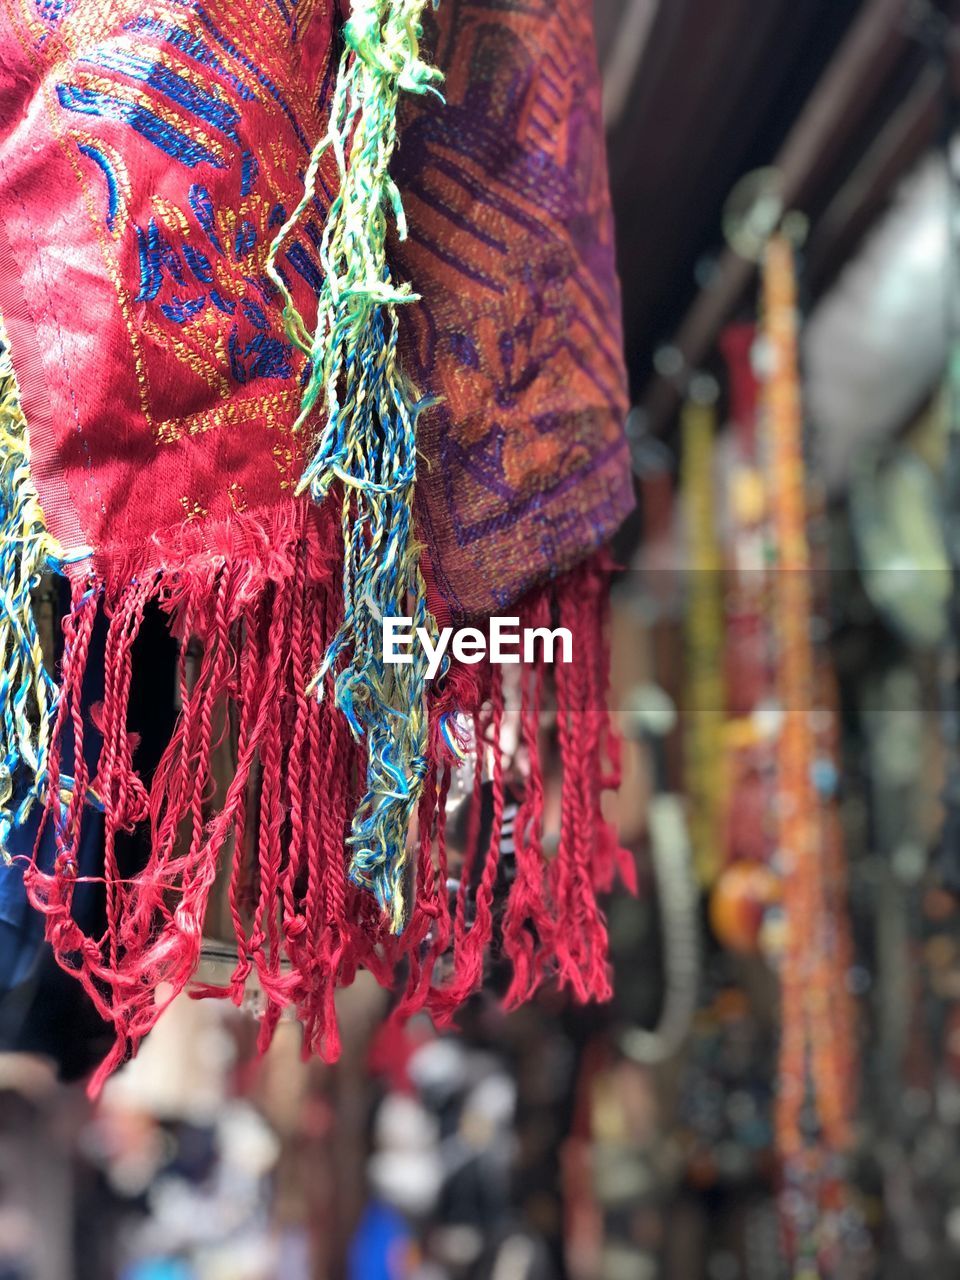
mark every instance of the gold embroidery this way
{"type": "Point", "coordinates": [170, 215]}
{"type": "Point", "coordinates": [283, 457]}
{"type": "Point", "coordinates": [201, 344]}
{"type": "Point", "coordinates": [274, 412]}
{"type": "Point", "coordinates": [193, 509]}
{"type": "Point", "coordinates": [215, 379]}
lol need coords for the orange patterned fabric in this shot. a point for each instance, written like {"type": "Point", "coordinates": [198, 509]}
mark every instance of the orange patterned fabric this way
{"type": "Point", "coordinates": [511, 248]}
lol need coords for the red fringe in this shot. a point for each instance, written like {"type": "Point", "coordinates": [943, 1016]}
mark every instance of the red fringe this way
{"type": "Point", "coordinates": [259, 620]}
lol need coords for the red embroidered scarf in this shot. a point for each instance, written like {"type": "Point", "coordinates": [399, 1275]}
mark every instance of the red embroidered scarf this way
{"type": "Point", "coordinates": [150, 154]}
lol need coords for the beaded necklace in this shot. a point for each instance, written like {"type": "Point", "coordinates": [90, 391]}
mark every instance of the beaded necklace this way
{"type": "Point", "coordinates": [816, 1052]}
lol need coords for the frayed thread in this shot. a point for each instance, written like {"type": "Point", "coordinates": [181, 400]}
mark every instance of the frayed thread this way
{"type": "Point", "coordinates": [273, 838]}
{"type": "Point", "coordinates": [528, 901]}
{"type": "Point", "coordinates": [28, 693]}
{"type": "Point", "coordinates": [282, 819]}
{"type": "Point", "coordinates": [367, 444]}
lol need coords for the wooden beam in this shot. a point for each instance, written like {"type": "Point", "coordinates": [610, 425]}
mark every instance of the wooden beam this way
{"type": "Point", "coordinates": [835, 109]}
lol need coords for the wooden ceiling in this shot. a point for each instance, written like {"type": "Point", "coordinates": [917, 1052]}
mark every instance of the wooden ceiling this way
{"type": "Point", "coordinates": [717, 88]}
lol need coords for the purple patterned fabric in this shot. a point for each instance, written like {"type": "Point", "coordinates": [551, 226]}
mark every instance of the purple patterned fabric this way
{"type": "Point", "coordinates": [511, 247]}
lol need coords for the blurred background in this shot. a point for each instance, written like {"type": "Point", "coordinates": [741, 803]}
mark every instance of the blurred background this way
{"type": "Point", "coordinates": [758, 1102]}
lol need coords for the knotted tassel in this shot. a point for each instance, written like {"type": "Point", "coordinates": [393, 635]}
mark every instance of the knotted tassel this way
{"type": "Point", "coordinates": [367, 443]}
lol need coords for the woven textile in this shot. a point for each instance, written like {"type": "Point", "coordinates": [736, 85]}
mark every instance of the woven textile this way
{"type": "Point", "coordinates": [511, 250]}
{"type": "Point", "coordinates": [150, 155]}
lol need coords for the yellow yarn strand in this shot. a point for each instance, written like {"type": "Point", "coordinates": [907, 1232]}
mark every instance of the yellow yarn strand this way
{"type": "Point", "coordinates": [27, 691]}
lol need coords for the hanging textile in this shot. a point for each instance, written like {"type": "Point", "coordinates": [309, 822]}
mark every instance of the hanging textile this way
{"type": "Point", "coordinates": [265, 382]}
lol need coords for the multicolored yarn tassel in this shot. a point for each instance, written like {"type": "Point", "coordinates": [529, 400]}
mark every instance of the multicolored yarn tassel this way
{"type": "Point", "coordinates": [28, 693]}
{"type": "Point", "coordinates": [367, 444]}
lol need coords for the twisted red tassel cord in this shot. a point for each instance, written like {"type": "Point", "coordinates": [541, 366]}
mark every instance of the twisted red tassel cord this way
{"type": "Point", "coordinates": [471, 943]}
{"type": "Point", "coordinates": [234, 815]}
{"type": "Point", "coordinates": [581, 942]}
{"type": "Point", "coordinates": [527, 922]}
{"type": "Point", "coordinates": [298, 720]}
{"type": "Point", "coordinates": [429, 906]}
{"type": "Point", "coordinates": [304, 930]}
{"type": "Point", "coordinates": [316, 747]}
{"type": "Point", "coordinates": [124, 797]}
{"type": "Point", "coordinates": [265, 940]}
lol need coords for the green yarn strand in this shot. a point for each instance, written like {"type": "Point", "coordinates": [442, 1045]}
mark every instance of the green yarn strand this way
{"type": "Point", "coordinates": [368, 441]}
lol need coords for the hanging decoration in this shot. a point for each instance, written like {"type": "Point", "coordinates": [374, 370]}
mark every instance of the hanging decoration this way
{"type": "Point", "coordinates": [705, 712]}
{"type": "Point", "coordinates": [949, 858]}
{"type": "Point", "coordinates": [654, 719]}
{"type": "Point", "coordinates": [745, 905]}
{"type": "Point", "coordinates": [814, 1101]}
{"type": "Point", "coordinates": [231, 391]}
